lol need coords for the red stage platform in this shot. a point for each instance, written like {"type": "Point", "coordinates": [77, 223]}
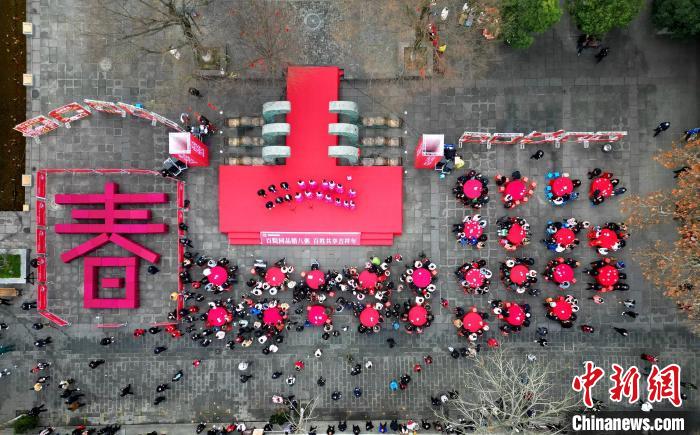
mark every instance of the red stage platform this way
{"type": "Point", "coordinates": [378, 215]}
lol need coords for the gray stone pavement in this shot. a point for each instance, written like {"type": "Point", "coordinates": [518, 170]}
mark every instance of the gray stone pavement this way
{"type": "Point", "coordinates": [645, 80]}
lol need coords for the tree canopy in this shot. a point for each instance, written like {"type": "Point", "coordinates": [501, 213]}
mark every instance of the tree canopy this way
{"type": "Point", "coordinates": [524, 18]}
{"type": "Point", "coordinates": [679, 17]}
{"type": "Point", "coordinates": [598, 17]}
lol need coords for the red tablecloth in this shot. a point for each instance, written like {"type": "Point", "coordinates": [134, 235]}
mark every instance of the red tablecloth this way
{"type": "Point", "coordinates": [473, 229]}
{"type": "Point", "coordinates": [561, 186]}
{"type": "Point", "coordinates": [369, 317]}
{"type": "Point", "coordinates": [518, 274]}
{"type": "Point", "coordinates": [607, 276]}
{"type": "Point", "coordinates": [274, 276]}
{"type": "Point", "coordinates": [218, 316]}
{"type": "Point", "coordinates": [474, 278]}
{"type": "Point", "coordinates": [272, 316]}
{"type": "Point", "coordinates": [516, 315]}
{"type": "Point", "coordinates": [564, 236]}
{"type": "Point", "coordinates": [422, 277]}
{"type": "Point", "coordinates": [368, 280]}
{"type": "Point", "coordinates": [472, 188]}
{"type": "Point", "coordinates": [607, 238]}
{"type": "Point", "coordinates": [218, 275]}
{"type": "Point", "coordinates": [563, 273]}
{"type": "Point", "coordinates": [516, 234]}
{"type": "Point", "coordinates": [315, 278]}
{"type": "Point", "coordinates": [562, 310]}
{"type": "Point", "coordinates": [516, 189]}
{"type": "Point", "coordinates": [317, 315]}
{"type": "Point", "coordinates": [418, 315]}
{"type": "Point", "coordinates": [472, 321]}
{"type": "Point", "coordinates": [603, 185]}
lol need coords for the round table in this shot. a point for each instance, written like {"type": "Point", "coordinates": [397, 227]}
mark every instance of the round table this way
{"type": "Point", "coordinates": [315, 279]}
{"type": "Point", "coordinates": [516, 189]}
{"type": "Point", "coordinates": [516, 234]}
{"type": "Point", "coordinates": [418, 316]}
{"type": "Point", "coordinates": [607, 276]}
{"type": "Point", "coordinates": [472, 322]}
{"type": "Point", "coordinates": [561, 186]}
{"type": "Point", "coordinates": [274, 276]}
{"type": "Point", "coordinates": [217, 275]}
{"type": "Point", "coordinates": [472, 188]}
{"type": "Point", "coordinates": [516, 315]}
{"type": "Point", "coordinates": [369, 317]}
{"type": "Point", "coordinates": [564, 236]}
{"type": "Point", "coordinates": [218, 316]}
{"type": "Point", "coordinates": [317, 315]}
{"type": "Point", "coordinates": [368, 280]}
{"type": "Point", "coordinates": [607, 238]}
{"type": "Point", "coordinates": [272, 316]}
{"type": "Point", "coordinates": [422, 277]}
{"type": "Point", "coordinates": [474, 278]}
{"type": "Point", "coordinates": [603, 185]}
{"type": "Point", "coordinates": [472, 229]}
{"type": "Point", "coordinates": [518, 274]}
{"type": "Point", "coordinates": [561, 310]}
{"type": "Point", "coordinates": [563, 273]}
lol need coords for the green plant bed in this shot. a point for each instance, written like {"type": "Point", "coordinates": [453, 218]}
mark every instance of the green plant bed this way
{"type": "Point", "coordinates": [25, 423]}
{"type": "Point", "coordinates": [10, 266]}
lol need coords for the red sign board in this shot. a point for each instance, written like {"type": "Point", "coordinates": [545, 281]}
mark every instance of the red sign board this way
{"type": "Point", "coordinates": [40, 241]}
{"type": "Point", "coordinates": [40, 213]}
{"type": "Point", "coordinates": [309, 238]}
{"type": "Point", "coordinates": [187, 148]}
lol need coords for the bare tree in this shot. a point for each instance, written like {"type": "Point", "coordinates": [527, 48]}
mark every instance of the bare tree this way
{"type": "Point", "coordinates": [300, 415]}
{"type": "Point", "coordinates": [156, 26]}
{"type": "Point", "coordinates": [506, 393]}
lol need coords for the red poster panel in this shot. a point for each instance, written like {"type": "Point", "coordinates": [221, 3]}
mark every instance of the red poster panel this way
{"type": "Point", "coordinates": [54, 318]}
{"type": "Point", "coordinates": [40, 212]}
{"type": "Point", "coordinates": [69, 113]}
{"type": "Point", "coordinates": [40, 241]}
{"type": "Point", "coordinates": [42, 296]}
{"type": "Point", "coordinates": [310, 238]}
{"type": "Point", "coordinates": [181, 195]}
{"type": "Point", "coordinates": [137, 111]}
{"type": "Point", "coordinates": [37, 126]}
{"type": "Point", "coordinates": [106, 107]}
{"type": "Point", "coordinates": [41, 184]}
{"type": "Point", "coordinates": [41, 272]}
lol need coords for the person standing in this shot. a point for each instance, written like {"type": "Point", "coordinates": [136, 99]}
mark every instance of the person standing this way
{"type": "Point", "coordinates": [663, 126]}
{"type": "Point", "coordinates": [691, 132]}
{"type": "Point", "coordinates": [194, 92]}
{"type": "Point", "coordinates": [538, 155]}
{"type": "Point", "coordinates": [126, 390]}
{"type": "Point", "coordinates": [96, 363]}
{"type": "Point", "coordinates": [602, 54]}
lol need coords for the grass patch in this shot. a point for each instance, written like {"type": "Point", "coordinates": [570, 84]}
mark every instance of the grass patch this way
{"type": "Point", "coordinates": [10, 266]}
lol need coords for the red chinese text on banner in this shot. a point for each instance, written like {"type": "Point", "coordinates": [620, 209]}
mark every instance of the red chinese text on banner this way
{"type": "Point", "coordinates": [138, 112]}
{"type": "Point", "coordinates": [69, 113]}
{"type": "Point", "coordinates": [105, 107]}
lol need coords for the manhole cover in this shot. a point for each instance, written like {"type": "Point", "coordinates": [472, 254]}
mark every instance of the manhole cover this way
{"type": "Point", "coordinates": [313, 21]}
{"type": "Point", "coordinates": [106, 64]}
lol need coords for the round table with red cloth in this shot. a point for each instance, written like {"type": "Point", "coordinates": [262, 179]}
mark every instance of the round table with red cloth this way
{"type": "Point", "coordinates": [422, 277]}
{"type": "Point", "coordinates": [607, 276]}
{"type": "Point", "coordinates": [518, 274]}
{"type": "Point", "coordinates": [317, 315]}
{"type": "Point", "coordinates": [418, 315]}
{"type": "Point", "coordinates": [474, 278]}
{"type": "Point", "coordinates": [603, 185]}
{"type": "Point", "coordinates": [274, 276]}
{"type": "Point", "coordinates": [517, 189]}
{"type": "Point", "coordinates": [472, 322]}
{"type": "Point", "coordinates": [562, 273]}
{"type": "Point", "coordinates": [606, 239]}
{"type": "Point", "coordinates": [473, 229]}
{"type": "Point", "coordinates": [368, 280]}
{"type": "Point", "coordinates": [516, 315]}
{"type": "Point", "coordinates": [217, 275]}
{"type": "Point", "coordinates": [562, 309]}
{"type": "Point", "coordinates": [564, 236]}
{"type": "Point", "coordinates": [272, 316]}
{"type": "Point", "coordinates": [369, 317]}
{"type": "Point", "coordinates": [561, 186]}
{"type": "Point", "coordinates": [218, 316]}
{"type": "Point", "coordinates": [315, 279]}
{"type": "Point", "coordinates": [516, 234]}
{"type": "Point", "coordinates": [472, 188]}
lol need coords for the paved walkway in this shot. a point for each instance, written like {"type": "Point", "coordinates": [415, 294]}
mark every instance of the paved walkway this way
{"type": "Point", "coordinates": [644, 80]}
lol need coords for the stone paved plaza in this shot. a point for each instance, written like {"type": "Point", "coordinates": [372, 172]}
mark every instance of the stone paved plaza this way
{"type": "Point", "coordinates": [643, 81]}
